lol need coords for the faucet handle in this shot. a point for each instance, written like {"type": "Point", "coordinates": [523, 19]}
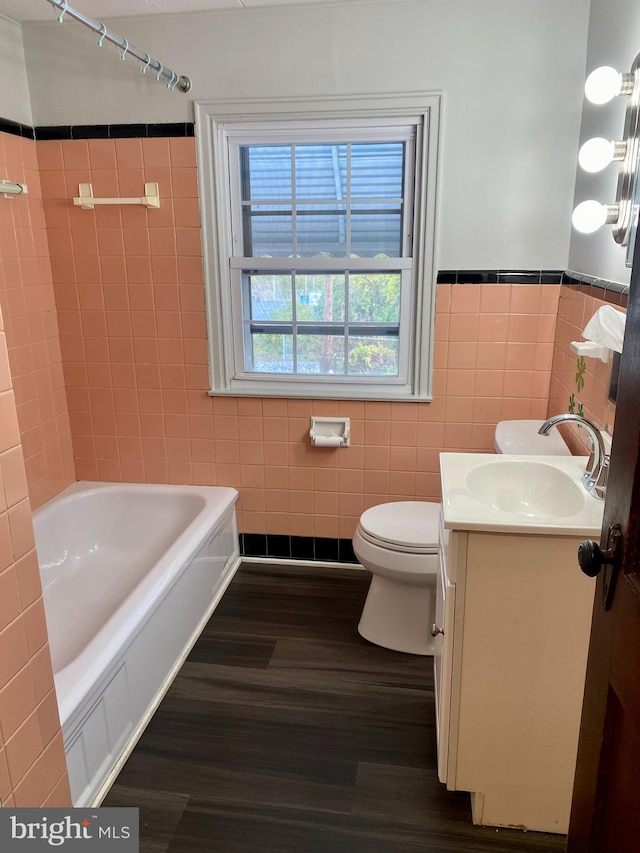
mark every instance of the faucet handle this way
{"type": "Point", "coordinates": [601, 477]}
{"type": "Point", "coordinates": [590, 468]}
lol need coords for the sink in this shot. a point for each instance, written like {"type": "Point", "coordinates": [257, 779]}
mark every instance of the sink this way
{"type": "Point", "coordinates": [518, 494]}
{"type": "Point", "coordinates": [527, 488]}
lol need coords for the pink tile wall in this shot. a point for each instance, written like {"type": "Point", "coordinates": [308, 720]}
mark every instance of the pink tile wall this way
{"type": "Point", "coordinates": [129, 291]}
{"type": "Point", "coordinates": [32, 761]}
{"type": "Point", "coordinates": [575, 309]}
{"type": "Point", "coordinates": [36, 462]}
{"type": "Point", "coordinates": [27, 301]}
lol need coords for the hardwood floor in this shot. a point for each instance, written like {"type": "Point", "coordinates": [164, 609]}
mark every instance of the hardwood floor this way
{"type": "Point", "coordinates": [286, 732]}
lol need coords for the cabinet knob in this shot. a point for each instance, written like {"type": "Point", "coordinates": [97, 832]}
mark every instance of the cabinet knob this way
{"type": "Point", "coordinates": [435, 630]}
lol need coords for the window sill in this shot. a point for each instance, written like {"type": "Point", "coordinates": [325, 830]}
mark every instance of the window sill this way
{"type": "Point", "coordinates": [329, 392]}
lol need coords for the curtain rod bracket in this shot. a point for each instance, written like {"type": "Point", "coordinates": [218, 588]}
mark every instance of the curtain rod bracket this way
{"type": "Point", "coordinates": [8, 189]}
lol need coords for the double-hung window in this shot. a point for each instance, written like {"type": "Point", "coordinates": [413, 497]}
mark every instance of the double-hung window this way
{"type": "Point", "coordinates": [318, 249]}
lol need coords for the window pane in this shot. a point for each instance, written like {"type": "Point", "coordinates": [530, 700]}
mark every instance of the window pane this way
{"type": "Point", "coordinates": [376, 231]}
{"type": "Point", "coordinates": [320, 171]}
{"type": "Point", "coordinates": [270, 354]}
{"type": "Point", "coordinates": [373, 356]}
{"type": "Point", "coordinates": [374, 297]}
{"type": "Point", "coordinates": [320, 297]}
{"type": "Point", "coordinates": [267, 232]}
{"type": "Point", "coordinates": [270, 296]}
{"type": "Point", "coordinates": [265, 172]}
{"type": "Point", "coordinates": [377, 170]}
{"type": "Point", "coordinates": [321, 354]}
{"type": "Point", "coordinates": [321, 231]}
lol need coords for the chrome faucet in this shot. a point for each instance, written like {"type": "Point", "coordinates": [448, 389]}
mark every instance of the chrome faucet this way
{"type": "Point", "coordinates": [594, 476]}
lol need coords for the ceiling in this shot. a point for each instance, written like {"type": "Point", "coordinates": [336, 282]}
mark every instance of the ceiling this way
{"type": "Point", "coordinates": [42, 10]}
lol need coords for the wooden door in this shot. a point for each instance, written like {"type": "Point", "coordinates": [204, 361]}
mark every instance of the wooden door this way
{"type": "Point", "coordinates": [605, 815]}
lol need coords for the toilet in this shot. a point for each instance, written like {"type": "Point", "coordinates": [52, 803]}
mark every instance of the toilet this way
{"type": "Point", "coordinates": [398, 543]}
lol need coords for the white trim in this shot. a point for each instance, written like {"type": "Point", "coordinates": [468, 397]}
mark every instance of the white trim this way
{"type": "Point", "coordinates": [344, 112]}
{"type": "Point", "coordinates": [321, 264]}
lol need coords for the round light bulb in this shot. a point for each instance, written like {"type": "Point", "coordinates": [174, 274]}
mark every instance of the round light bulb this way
{"type": "Point", "coordinates": [589, 216]}
{"type": "Point", "coordinates": [596, 154]}
{"type": "Point", "coordinates": [603, 84]}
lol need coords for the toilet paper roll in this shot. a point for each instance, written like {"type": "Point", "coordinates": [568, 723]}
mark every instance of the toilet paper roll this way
{"type": "Point", "coordinates": [327, 441]}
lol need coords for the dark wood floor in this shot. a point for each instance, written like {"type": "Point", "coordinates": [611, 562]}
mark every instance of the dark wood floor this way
{"type": "Point", "coordinates": [286, 732]}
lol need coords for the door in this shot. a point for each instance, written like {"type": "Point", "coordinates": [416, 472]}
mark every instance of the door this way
{"type": "Point", "coordinates": [605, 815]}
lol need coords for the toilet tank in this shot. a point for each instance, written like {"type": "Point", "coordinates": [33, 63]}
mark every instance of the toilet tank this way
{"type": "Point", "coordinates": [522, 437]}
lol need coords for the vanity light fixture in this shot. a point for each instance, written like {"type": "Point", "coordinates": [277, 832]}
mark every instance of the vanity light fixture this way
{"type": "Point", "coordinates": [601, 86]}
{"type": "Point", "coordinates": [591, 215]}
{"type": "Point", "coordinates": [605, 83]}
{"type": "Point", "coordinates": [596, 154]}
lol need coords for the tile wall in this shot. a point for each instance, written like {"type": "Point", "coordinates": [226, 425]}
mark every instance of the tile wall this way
{"type": "Point", "coordinates": [28, 304]}
{"type": "Point", "coordinates": [36, 461]}
{"type": "Point", "coordinates": [129, 291]}
{"type": "Point", "coordinates": [32, 762]}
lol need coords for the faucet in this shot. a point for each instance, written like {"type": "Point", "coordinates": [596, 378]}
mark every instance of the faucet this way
{"type": "Point", "coordinates": [594, 476]}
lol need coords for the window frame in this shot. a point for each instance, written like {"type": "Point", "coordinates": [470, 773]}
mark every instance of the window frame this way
{"type": "Point", "coordinates": [223, 265]}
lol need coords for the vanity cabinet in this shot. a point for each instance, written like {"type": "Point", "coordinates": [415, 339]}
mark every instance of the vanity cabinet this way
{"type": "Point", "coordinates": [510, 668]}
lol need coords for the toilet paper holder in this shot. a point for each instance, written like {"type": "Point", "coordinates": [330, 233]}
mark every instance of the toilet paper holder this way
{"type": "Point", "coordinates": [330, 432]}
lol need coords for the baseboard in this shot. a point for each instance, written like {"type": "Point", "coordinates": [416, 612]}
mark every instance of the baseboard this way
{"type": "Point", "coordinates": [318, 549]}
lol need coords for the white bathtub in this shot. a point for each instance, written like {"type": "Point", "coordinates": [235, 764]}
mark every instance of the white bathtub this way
{"type": "Point", "coordinates": [130, 574]}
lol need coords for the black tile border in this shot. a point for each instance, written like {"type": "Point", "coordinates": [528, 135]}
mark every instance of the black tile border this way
{"type": "Point", "coordinates": [44, 134]}
{"type": "Point", "coordinates": [303, 548]}
{"type": "Point", "coordinates": [500, 276]}
{"type": "Point", "coordinates": [114, 131]}
{"type": "Point", "coordinates": [98, 131]}
{"type": "Point", "coordinates": [16, 129]}
{"type": "Point", "coordinates": [600, 288]}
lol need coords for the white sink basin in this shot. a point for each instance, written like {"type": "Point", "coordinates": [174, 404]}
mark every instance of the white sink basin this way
{"type": "Point", "coordinates": [527, 488]}
{"type": "Point", "coordinates": [518, 494]}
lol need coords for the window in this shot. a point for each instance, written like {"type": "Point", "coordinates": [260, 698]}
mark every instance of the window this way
{"type": "Point", "coordinates": [318, 247]}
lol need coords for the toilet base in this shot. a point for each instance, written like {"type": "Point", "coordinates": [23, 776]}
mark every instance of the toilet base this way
{"type": "Point", "coordinates": [399, 616]}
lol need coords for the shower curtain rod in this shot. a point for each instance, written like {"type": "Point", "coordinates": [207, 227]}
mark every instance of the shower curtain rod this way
{"type": "Point", "coordinates": [174, 81]}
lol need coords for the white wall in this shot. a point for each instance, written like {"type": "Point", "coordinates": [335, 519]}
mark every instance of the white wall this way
{"type": "Point", "coordinates": [614, 39]}
{"type": "Point", "coordinates": [14, 91]}
{"type": "Point", "coordinates": [511, 70]}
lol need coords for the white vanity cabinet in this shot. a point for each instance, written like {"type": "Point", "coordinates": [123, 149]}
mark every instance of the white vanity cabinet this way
{"type": "Point", "coordinates": [510, 667]}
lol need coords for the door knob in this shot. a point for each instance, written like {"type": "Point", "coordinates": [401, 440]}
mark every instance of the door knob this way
{"type": "Point", "coordinates": [435, 630]}
{"type": "Point", "coordinates": [592, 558]}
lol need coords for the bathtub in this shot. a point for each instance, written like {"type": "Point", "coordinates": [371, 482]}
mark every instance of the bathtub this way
{"type": "Point", "coordinates": [130, 575]}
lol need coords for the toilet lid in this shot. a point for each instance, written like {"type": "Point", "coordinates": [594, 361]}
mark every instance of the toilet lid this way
{"type": "Point", "coordinates": [410, 525]}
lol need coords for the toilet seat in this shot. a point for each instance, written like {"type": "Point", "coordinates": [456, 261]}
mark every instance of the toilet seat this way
{"type": "Point", "coordinates": [404, 526]}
